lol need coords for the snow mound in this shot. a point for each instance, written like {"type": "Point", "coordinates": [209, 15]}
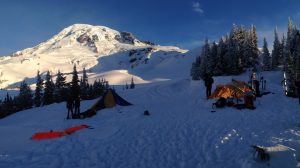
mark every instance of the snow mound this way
{"type": "Point", "coordinates": [282, 156]}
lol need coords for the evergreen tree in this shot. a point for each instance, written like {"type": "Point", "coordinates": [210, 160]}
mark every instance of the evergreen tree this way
{"type": "Point", "coordinates": [132, 85]}
{"type": "Point", "coordinates": [195, 70]}
{"type": "Point", "coordinates": [84, 85]}
{"type": "Point", "coordinates": [231, 56]}
{"type": "Point", "coordinates": [276, 53]}
{"type": "Point", "coordinates": [2, 112]}
{"type": "Point", "coordinates": [25, 96]}
{"type": "Point", "coordinates": [248, 61]}
{"type": "Point", "coordinates": [221, 63]}
{"type": "Point", "coordinates": [91, 92]}
{"type": "Point", "coordinates": [291, 30]}
{"type": "Point", "coordinates": [204, 58]}
{"type": "Point", "coordinates": [85, 77]}
{"type": "Point", "coordinates": [267, 60]}
{"type": "Point", "coordinates": [281, 50]}
{"type": "Point", "coordinates": [60, 91]}
{"type": "Point", "coordinates": [7, 106]}
{"type": "Point", "coordinates": [285, 51]}
{"type": "Point", "coordinates": [290, 57]}
{"type": "Point", "coordinates": [297, 55]}
{"type": "Point", "coordinates": [241, 39]}
{"type": "Point", "coordinates": [254, 48]}
{"type": "Point", "coordinates": [212, 58]}
{"type": "Point", "coordinates": [16, 104]}
{"type": "Point", "coordinates": [98, 88]}
{"type": "Point", "coordinates": [38, 95]}
{"type": "Point", "coordinates": [49, 90]}
{"type": "Point", "coordinates": [75, 88]}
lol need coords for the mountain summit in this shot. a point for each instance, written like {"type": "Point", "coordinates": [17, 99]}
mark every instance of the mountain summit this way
{"type": "Point", "coordinates": [99, 39]}
{"type": "Point", "coordinates": [83, 45]}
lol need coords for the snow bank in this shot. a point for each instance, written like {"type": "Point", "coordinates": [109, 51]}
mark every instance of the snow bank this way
{"type": "Point", "coordinates": [282, 156]}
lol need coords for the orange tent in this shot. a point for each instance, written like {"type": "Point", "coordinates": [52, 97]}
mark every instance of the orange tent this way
{"type": "Point", "coordinates": [236, 89]}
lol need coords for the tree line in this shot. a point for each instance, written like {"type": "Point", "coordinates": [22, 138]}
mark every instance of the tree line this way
{"type": "Point", "coordinates": [291, 58]}
{"type": "Point", "coordinates": [238, 51]}
{"type": "Point", "coordinates": [230, 56]}
{"type": "Point", "coordinates": [47, 92]}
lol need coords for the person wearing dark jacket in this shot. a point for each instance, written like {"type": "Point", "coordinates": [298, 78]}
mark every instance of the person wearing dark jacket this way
{"type": "Point", "coordinates": [77, 106]}
{"type": "Point", "coordinates": [70, 106]}
{"type": "Point", "coordinates": [208, 81]}
{"type": "Point", "coordinates": [256, 86]}
{"type": "Point", "coordinates": [297, 84]}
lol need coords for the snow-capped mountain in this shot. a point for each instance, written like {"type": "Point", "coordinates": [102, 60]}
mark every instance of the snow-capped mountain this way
{"type": "Point", "coordinates": [86, 46]}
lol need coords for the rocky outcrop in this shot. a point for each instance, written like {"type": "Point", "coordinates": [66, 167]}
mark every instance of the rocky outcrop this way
{"type": "Point", "coordinates": [86, 40]}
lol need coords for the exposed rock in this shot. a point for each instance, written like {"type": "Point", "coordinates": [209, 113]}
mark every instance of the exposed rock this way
{"type": "Point", "coordinates": [88, 41]}
{"type": "Point", "coordinates": [95, 38]}
{"type": "Point", "coordinates": [128, 37]}
{"type": "Point", "coordinates": [84, 38]}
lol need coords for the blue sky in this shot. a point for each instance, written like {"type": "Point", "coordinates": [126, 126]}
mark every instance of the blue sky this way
{"type": "Point", "coordinates": [185, 23]}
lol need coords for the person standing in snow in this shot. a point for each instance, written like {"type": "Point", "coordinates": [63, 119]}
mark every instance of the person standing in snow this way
{"type": "Point", "coordinates": [256, 86]}
{"type": "Point", "coordinates": [77, 106]}
{"type": "Point", "coordinates": [297, 84]}
{"type": "Point", "coordinates": [262, 83]}
{"type": "Point", "coordinates": [70, 106]}
{"type": "Point", "coordinates": [208, 81]}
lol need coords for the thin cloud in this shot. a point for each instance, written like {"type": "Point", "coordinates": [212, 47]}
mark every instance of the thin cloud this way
{"type": "Point", "coordinates": [197, 7]}
{"type": "Point", "coordinates": [297, 15]}
{"type": "Point", "coordinates": [191, 44]}
{"type": "Point", "coordinates": [269, 35]}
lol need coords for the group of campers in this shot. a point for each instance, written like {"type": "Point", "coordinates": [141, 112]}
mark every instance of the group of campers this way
{"type": "Point", "coordinates": [226, 97]}
{"type": "Point", "coordinates": [73, 106]}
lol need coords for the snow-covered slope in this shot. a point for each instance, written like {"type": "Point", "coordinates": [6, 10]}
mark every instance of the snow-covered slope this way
{"type": "Point", "coordinates": [180, 132]}
{"type": "Point", "coordinates": [85, 46]}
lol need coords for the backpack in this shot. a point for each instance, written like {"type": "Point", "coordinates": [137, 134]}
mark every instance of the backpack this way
{"type": "Point", "coordinates": [230, 102]}
{"type": "Point", "coordinates": [221, 102]}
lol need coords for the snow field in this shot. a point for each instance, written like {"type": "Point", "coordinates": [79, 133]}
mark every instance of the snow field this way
{"type": "Point", "coordinates": [180, 131]}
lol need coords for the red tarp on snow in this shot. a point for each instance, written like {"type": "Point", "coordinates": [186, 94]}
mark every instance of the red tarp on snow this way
{"type": "Point", "coordinates": [47, 135]}
{"type": "Point", "coordinates": [74, 129]}
{"type": "Point", "coordinates": [57, 134]}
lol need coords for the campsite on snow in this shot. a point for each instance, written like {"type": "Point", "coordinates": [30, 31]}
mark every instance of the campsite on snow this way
{"type": "Point", "coordinates": [92, 96]}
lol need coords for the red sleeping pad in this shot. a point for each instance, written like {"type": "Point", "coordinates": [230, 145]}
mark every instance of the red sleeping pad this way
{"type": "Point", "coordinates": [47, 135]}
{"type": "Point", "coordinates": [74, 129]}
{"type": "Point", "coordinates": [57, 134]}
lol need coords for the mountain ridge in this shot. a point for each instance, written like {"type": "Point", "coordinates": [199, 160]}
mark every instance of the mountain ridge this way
{"type": "Point", "coordinates": [83, 45]}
